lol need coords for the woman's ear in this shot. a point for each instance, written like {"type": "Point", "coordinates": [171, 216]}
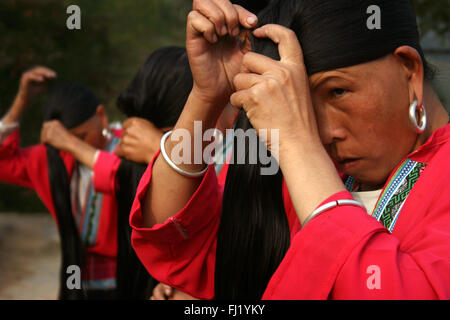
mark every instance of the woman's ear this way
{"type": "Point", "coordinates": [102, 115]}
{"type": "Point", "coordinates": [411, 63]}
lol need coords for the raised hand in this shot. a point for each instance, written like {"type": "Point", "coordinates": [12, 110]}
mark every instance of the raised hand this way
{"type": "Point", "coordinates": [55, 134]}
{"type": "Point", "coordinates": [275, 94]}
{"type": "Point", "coordinates": [34, 81]}
{"type": "Point", "coordinates": [215, 48]}
{"type": "Point", "coordinates": [140, 140]}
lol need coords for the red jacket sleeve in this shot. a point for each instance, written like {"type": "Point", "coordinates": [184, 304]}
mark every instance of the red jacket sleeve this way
{"type": "Point", "coordinates": [346, 254]}
{"type": "Point", "coordinates": [28, 167]}
{"type": "Point", "coordinates": [105, 170]}
{"type": "Point", "coordinates": [13, 161]}
{"type": "Point", "coordinates": [181, 252]}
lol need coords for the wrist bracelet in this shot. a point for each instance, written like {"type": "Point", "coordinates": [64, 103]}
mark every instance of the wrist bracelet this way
{"type": "Point", "coordinates": [6, 128]}
{"type": "Point", "coordinates": [173, 165]}
{"type": "Point", "coordinates": [330, 205]}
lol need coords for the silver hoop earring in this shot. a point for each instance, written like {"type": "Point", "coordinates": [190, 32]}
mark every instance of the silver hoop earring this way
{"type": "Point", "coordinates": [418, 127]}
{"type": "Point", "coordinates": [106, 133]}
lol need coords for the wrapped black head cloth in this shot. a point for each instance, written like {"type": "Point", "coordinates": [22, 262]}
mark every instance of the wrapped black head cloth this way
{"type": "Point", "coordinates": [70, 103]}
{"type": "Point", "coordinates": [334, 33]}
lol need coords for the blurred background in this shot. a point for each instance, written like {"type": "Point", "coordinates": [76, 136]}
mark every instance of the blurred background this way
{"type": "Point", "coordinates": [115, 38]}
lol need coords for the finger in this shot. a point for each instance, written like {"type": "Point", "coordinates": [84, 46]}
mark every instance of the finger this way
{"type": "Point", "coordinates": [288, 44]}
{"type": "Point", "coordinates": [213, 13]}
{"type": "Point", "coordinates": [246, 18]}
{"type": "Point", "coordinates": [34, 77]}
{"type": "Point", "coordinates": [199, 24]}
{"type": "Point", "coordinates": [129, 140]}
{"type": "Point", "coordinates": [258, 63]}
{"type": "Point", "coordinates": [244, 81]}
{"type": "Point", "coordinates": [119, 151]}
{"type": "Point", "coordinates": [256, 95]}
{"type": "Point", "coordinates": [158, 293]}
{"type": "Point", "coordinates": [128, 123]}
{"type": "Point", "coordinates": [168, 290]}
{"type": "Point", "coordinates": [231, 17]}
{"type": "Point", "coordinates": [239, 99]}
{"type": "Point", "coordinates": [46, 72]}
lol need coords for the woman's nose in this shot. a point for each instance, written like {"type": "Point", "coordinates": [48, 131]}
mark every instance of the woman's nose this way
{"type": "Point", "coordinates": [331, 130]}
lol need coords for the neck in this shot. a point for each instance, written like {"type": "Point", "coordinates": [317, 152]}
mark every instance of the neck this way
{"type": "Point", "coordinates": [437, 116]}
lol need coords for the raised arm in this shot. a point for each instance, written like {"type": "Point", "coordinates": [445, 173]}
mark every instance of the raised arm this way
{"type": "Point", "coordinates": [13, 160]}
{"type": "Point", "coordinates": [56, 135]}
{"type": "Point", "coordinates": [32, 83]}
{"type": "Point", "coordinates": [215, 53]}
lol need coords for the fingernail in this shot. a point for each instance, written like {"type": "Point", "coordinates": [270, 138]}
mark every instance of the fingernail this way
{"type": "Point", "coordinates": [252, 20]}
{"type": "Point", "coordinates": [214, 38]}
{"type": "Point", "coordinates": [236, 31]}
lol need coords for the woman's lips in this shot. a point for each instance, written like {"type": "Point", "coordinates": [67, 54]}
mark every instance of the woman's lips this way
{"type": "Point", "coordinates": [348, 164]}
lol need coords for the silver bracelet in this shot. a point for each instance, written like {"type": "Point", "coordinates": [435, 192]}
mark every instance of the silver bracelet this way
{"type": "Point", "coordinates": [7, 129]}
{"type": "Point", "coordinates": [173, 165]}
{"type": "Point", "coordinates": [330, 205]}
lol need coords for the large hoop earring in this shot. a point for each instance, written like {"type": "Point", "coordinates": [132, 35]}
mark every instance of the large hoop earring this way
{"type": "Point", "coordinates": [418, 127]}
{"type": "Point", "coordinates": [106, 133]}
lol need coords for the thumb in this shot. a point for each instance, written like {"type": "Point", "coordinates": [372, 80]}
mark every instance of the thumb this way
{"type": "Point", "coordinates": [168, 290]}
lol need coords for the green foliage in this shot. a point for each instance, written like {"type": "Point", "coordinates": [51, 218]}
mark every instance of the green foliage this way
{"type": "Point", "coordinates": [434, 15]}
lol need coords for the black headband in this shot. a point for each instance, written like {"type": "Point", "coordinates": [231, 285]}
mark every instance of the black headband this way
{"type": "Point", "coordinates": [70, 103]}
{"type": "Point", "coordinates": [336, 33]}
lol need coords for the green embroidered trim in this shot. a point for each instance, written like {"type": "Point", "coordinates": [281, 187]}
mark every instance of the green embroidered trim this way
{"type": "Point", "coordinates": [395, 192]}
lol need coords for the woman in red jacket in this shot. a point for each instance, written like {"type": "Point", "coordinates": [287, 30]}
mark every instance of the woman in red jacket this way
{"type": "Point", "coordinates": [342, 90]}
{"type": "Point", "coordinates": [86, 219]}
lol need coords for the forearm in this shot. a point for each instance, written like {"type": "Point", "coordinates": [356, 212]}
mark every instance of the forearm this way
{"type": "Point", "coordinates": [169, 191]}
{"type": "Point", "coordinates": [310, 176]}
{"type": "Point", "coordinates": [81, 151]}
{"type": "Point", "coordinates": [16, 110]}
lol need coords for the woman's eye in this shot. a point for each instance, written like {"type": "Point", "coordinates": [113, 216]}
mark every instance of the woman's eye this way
{"type": "Point", "coordinates": [338, 92]}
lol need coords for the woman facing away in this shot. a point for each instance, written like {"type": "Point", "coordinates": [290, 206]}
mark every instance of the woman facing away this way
{"type": "Point", "coordinates": [337, 94]}
{"type": "Point", "coordinates": [87, 222]}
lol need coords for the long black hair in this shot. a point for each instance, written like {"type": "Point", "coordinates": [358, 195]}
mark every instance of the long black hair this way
{"type": "Point", "coordinates": [71, 104]}
{"type": "Point", "coordinates": [157, 93]}
{"type": "Point", "coordinates": [254, 235]}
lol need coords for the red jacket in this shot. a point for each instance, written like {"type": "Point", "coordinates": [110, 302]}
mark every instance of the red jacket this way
{"type": "Point", "coordinates": [343, 253]}
{"type": "Point", "coordinates": [28, 167]}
